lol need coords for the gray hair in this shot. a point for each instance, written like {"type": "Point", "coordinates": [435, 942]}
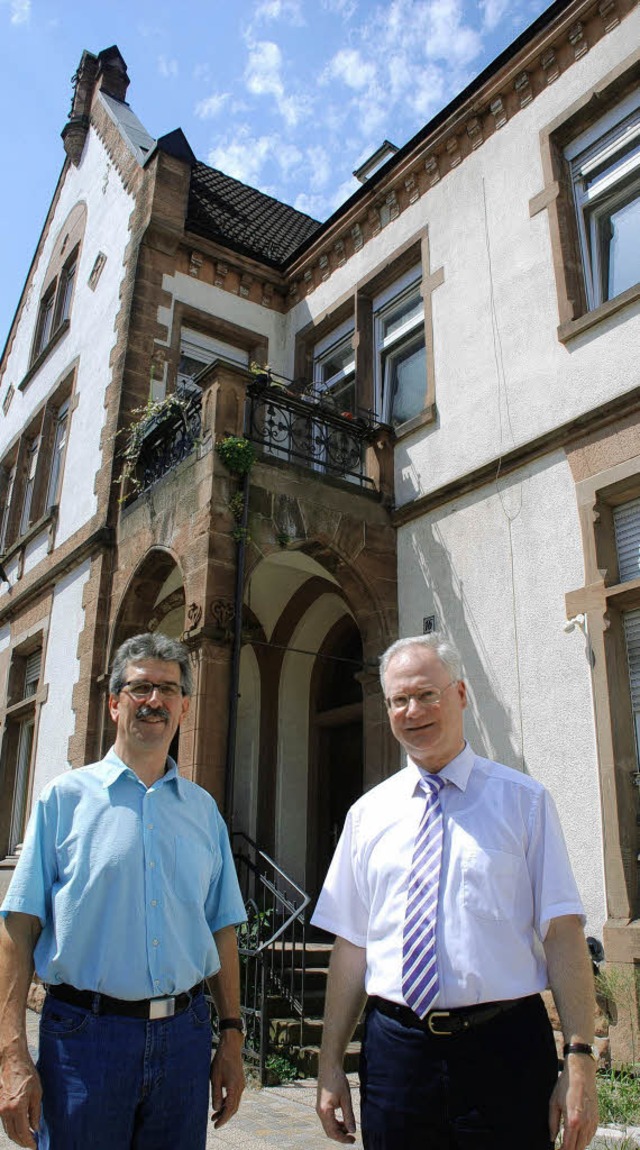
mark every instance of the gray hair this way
{"type": "Point", "coordinates": [436, 642]}
{"type": "Point", "coordinates": [151, 645]}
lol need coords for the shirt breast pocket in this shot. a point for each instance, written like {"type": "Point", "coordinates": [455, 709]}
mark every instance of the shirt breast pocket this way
{"type": "Point", "coordinates": [194, 870]}
{"type": "Point", "coordinates": [490, 884]}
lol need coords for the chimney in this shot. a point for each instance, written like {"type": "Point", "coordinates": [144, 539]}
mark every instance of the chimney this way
{"type": "Point", "coordinates": [108, 72]}
{"type": "Point", "coordinates": [113, 78]}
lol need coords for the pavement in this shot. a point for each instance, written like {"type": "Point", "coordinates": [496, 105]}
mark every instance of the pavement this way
{"type": "Point", "coordinates": [284, 1117]}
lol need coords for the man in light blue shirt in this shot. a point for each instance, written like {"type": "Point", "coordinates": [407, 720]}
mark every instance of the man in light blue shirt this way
{"type": "Point", "coordinates": [125, 898]}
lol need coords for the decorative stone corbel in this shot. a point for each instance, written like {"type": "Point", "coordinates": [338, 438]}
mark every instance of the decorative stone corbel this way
{"type": "Point", "coordinates": [550, 66]}
{"type": "Point", "coordinates": [195, 263]}
{"type": "Point", "coordinates": [357, 237]}
{"type": "Point", "coordinates": [522, 88]}
{"type": "Point", "coordinates": [432, 168]}
{"type": "Point", "coordinates": [498, 111]}
{"type": "Point", "coordinates": [474, 132]}
{"type": "Point", "coordinates": [578, 40]}
{"type": "Point", "coordinates": [453, 151]}
{"type": "Point", "coordinates": [608, 10]}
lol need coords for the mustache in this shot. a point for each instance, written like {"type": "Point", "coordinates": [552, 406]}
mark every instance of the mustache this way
{"type": "Point", "coordinates": [147, 712]}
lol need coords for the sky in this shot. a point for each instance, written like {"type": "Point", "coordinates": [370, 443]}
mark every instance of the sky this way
{"type": "Point", "coordinates": [289, 96]}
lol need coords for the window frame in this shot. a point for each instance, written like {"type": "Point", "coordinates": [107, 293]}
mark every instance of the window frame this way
{"type": "Point", "coordinates": [389, 347]}
{"type": "Point", "coordinates": [596, 148]}
{"type": "Point", "coordinates": [337, 342]}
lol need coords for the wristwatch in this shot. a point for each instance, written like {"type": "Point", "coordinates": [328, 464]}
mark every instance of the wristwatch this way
{"type": "Point", "coordinates": [579, 1048]}
{"type": "Point", "coordinates": [232, 1024]}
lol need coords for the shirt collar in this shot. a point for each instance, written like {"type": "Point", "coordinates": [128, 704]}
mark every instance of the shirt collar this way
{"type": "Point", "coordinates": [457, 771]}
{"type": "Point", "coordinates": [113, 767]}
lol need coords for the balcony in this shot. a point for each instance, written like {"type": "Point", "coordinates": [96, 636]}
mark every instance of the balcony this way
{"type": "Point", "coordinates": [166, 438]}
{"type": "Point", "coordinates": [305, 430]}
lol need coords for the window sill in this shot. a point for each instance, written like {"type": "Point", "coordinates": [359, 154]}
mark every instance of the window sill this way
{"type": "Point", "coordinates": [427, 415]}
{"type": "Point", "coordinates": [45, 522]}
{"type": "Point", "coordinates": [567, 331]}
{"type": "Point", "coordinates": [44, 354]}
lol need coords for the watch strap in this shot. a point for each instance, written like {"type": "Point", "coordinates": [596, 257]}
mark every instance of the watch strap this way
{"type": "Point", "coordinates": [578, 1048]}
{"type": "Point", "coordinates": [231, 1024]}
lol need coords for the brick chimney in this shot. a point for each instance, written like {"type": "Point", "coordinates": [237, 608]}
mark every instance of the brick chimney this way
{"type": "Point", "coordinates": [106, 71]}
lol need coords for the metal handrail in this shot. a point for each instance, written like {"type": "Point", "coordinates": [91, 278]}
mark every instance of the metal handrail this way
{"type": "Point", "coordinates": [308, 431]}
{"type": "Point", "coordinates": [272, 965]}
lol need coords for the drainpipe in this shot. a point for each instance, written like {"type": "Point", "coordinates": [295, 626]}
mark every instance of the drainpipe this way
{"type": "Point", "coordinates": [235, 657]}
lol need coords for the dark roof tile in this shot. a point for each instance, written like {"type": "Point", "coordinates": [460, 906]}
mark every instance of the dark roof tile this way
{"type": "Point", "coordinates": [243, 218]}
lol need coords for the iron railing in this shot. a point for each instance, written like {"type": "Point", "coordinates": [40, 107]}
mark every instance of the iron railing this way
{"type": "Point", "coordinates": [272, 945]}
{"type": "Point", "coordinates": [305, 430]}
{"type": "Point", "coordinates": [170, 437]}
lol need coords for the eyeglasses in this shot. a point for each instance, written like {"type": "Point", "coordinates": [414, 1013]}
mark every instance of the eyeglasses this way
{"type": "Point", "coordinates": [429, 698]}
{"type": "Point", "coordinates": [141, 689]}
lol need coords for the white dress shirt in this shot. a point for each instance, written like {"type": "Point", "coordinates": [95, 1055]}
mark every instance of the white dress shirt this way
{"type": "Point", "coordinates": [505, 874]}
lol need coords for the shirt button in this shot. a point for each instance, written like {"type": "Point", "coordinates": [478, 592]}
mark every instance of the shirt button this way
{"type": "Point", "coordinates": [157, 982]}
{"type": "Point", "coordinates": [156, 942]}
{"type": "Point", "coordinates": [149, 826]}
{"type": "Point", "coordinates": [154, 902]}
{"type": "Point", "coordinates": [151, 865]}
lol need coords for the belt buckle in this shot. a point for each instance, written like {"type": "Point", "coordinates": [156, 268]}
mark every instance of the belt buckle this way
{"type": "Point", "coordinates": [432, 1017]}
{"type": "Point", "coordinates": [162, 1008]}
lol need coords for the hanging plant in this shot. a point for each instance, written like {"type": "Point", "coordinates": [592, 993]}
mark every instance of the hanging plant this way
{"type": "Point", "coordinates": [153, 413]}
{"type": "Point", "coordinates": [237, 454]}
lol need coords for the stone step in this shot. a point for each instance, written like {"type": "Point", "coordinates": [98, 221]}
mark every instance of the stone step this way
{"type": "Point", "coordinates": [306, 1058]}
{"type": "Point", "coordinates": [285, 1032]}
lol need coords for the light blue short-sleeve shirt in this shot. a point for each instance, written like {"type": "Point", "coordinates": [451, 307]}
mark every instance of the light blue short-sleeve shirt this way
{"type": "Point", "coordinates": [129, 882]}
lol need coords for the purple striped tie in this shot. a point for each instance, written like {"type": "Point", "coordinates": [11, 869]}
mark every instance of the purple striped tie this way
{"type": "Point", "coordinates": [420, 983]}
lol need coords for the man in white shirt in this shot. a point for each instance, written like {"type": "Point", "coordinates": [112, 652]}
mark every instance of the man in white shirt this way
{"type": "Point", "coordinates": [474, 1065]}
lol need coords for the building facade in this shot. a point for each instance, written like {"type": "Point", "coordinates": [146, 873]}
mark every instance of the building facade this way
{"type": "Point", "coordinates": [441, 387]}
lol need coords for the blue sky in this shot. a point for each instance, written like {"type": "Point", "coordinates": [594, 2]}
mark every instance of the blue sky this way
{"type": "Point", "coordinates": [287, 95]}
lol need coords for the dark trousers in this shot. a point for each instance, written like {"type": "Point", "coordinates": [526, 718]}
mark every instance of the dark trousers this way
{"type": "Point", "coordinates": [487, 1089]}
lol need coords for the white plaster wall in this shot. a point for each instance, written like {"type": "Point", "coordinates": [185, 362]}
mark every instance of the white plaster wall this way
{"type": "Point", "coordinates": [293, 736]}
{"type": "Point", "coordinates": [498, 385]}
{"type": "Point", "coordinates": [494, 567]}
{"type": "Point", "coordinates": [91, 334]}
{"type": "Point", "coordinates": [223, 305]}
{"type": "Point", "coordinates": [245, 791]}
{"type": "Point", "coordinates": [60, 674]}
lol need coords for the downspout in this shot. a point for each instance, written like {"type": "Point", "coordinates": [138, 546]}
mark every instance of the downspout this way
{"type": "Point", "coordinates": [234, 683]}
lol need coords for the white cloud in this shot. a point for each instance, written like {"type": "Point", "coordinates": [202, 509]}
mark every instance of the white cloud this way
{"type": "Point", "coordinates": [263, 78]}
{"type": "Point", "coordinates": [286, 10]}
{"type": "Point", "coordinates": [243, 155]}
{"type": "Point", "coordinates": [167, 68]}
{"type": "Point", "coordinates": [319, 168]}
{"type": "Point", "coordinates": [348, 65]}
{"type": "Point", "coordinates": [19, 11]}
{"type": "Point", "coordinates": [344, 8]}
{"type": "Point", "coordinates": [211, 106]}
{"type": "Point", "coordinates": [493, 11]}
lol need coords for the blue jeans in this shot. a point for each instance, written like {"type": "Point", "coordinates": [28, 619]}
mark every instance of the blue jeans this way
{"type": "Point", "coordinates": [114, 1083]}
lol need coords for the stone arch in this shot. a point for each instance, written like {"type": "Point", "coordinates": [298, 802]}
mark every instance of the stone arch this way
{"type": "Point", "coordinates": [153, 599]}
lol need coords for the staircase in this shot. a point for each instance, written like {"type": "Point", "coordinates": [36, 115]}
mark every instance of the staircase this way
{"type": "Point", "coordinates": [283, 971]}
{"type": "Point", "coordinates": [299, 1038]}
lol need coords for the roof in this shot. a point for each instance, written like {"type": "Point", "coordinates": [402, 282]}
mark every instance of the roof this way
{"type": "Point", "coordinates": [243, 218]}
{"type": "Point", "coordinates": [130, 127]}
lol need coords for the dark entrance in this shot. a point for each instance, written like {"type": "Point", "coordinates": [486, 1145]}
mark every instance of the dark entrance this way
{"type": "Point", "coordinates": [336, 745]}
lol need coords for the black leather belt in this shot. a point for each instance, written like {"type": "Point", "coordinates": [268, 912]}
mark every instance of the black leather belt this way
{"type": "Point", "coordinates": [444, 1023]}
{"type": "Point", "coordinates": [150, 1008]}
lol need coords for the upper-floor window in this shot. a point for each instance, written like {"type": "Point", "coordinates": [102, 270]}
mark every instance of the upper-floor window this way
{"type": "Point", "coordinates": [31, 476]}
{"type": "Point", "coordinates": [33, 448]}
{"type": "Point", "coordinates": [198, 350]}
{"type": "Point", "coordinates": [55, 306]}
{"type": "Point", "coordinates": [57, 454]}
{"type": "Point", "coordinates": [334, 369]}
{"type": "Point", "coordinates": [605, 168]}
{"type": "Point", "coordinates": [400, 354]}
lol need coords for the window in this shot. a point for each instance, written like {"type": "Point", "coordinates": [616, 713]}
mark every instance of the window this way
{"type": "Point", "coordinates": [45, 321]}
{"type": "Point", "coordinates": [31, 477]}
{"type": "Point", "coordinates": [29, 483]}
{"type": "Point", "coordinates": [626, 522]}
{"type": "Point", "coordinates": [9, 481]}
{"type": "Point", "coordinates": [55, 306]}
{"type": "Point", "coordinates": [18, 745]}
{"type": "Point", "coordinates": [57, 455]}
{"type": "Point", "coordinates": [605, 170]}
{"type": "Point", "coordinates": [400, 353]}
{"type": "Point", "coordinates": [197, 351]}
{"type": "Point", "coordinates": [334, 369]}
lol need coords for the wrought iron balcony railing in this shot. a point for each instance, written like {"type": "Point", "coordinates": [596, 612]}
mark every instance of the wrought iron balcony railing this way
{"type": "Point", "coordinates": [169, 438]}
{"type": "Point", "coordinates": [304, 430]}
